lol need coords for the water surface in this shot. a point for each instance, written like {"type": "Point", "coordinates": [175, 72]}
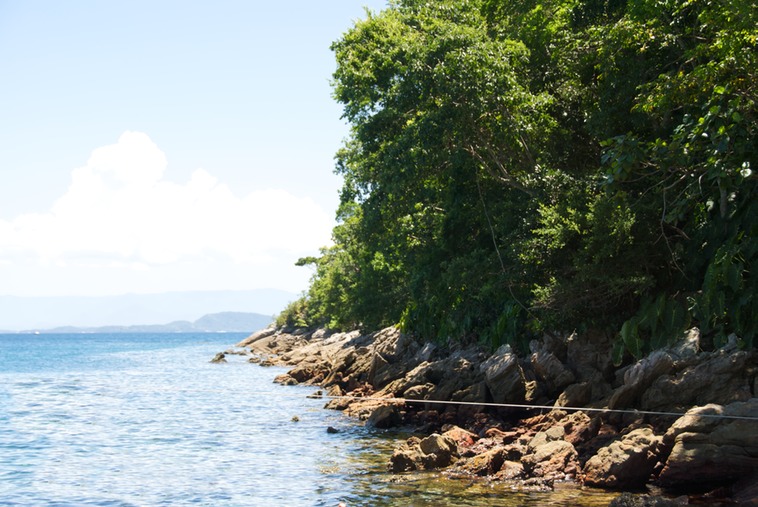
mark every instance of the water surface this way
{"type": "Point", "coordinates": [146, 420]}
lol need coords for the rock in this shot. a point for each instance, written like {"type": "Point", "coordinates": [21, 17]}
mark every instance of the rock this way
{"type": "Point", "coordinates": [544, 437]}
{"type": "Point", "coordinates": [709, 452]}
{"type": "Point", "coordinates": [437, 451]}
{"type": "Point", "coordinates": [391, 356]}
{"type": "Point", "coordinates": [746, 491]}
{"type": "Point", "coordinates": [461, 437]}
{"type": "Point", "coordinates": [688, 346]}
{"type": "Point", "coordinates": [487, 463]}
{"type": "Point", "coordinates": [551, 371]}
{"type": "Point", "coordinates": [332, 430]}
{"type": "Point", "coordinates": [589, 357]}
{"type": "Point", "coordinates": [219, 358]}
{"type": "Point", "coordinates": [504, 377]}
{"type": "Point", "coordinates": [630, 500]}
{"type": "Point", "coordinates": [474, 393]}
{"type": "Point", "coordinates": [721, 377]}
{"type": "Point", "coordinates": [385, 416]}
{"type": "Point", "coordinates": [639, 377]}
{"type": "Point", "coordinates": [403, 460]}
{"type": "Point", "coordinates": [575, 395]}
{"type": "Point", "coordinates": [625, 463]}
{"type": "Point", "coordinates": [553, 460]}
{"type": "Point", "coordinates": [258, 335]}
{"type": "Point", "coordinates": [509, 471]}
{"type": "Point", "coordinates": [285, 380]}
{"type": "Point", "coordinates": [579, 427]}
{"type": "Point", "coordinates": [432, 452]}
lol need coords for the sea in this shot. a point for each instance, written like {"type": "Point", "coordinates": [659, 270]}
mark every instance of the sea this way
{"type": "Point", "coordinates": [145, 419]}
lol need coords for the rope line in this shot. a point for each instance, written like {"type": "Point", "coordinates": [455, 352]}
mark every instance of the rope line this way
{"type": "Point", "coordinates": [512, 405]}
{"type": "Point", "coordinates": [547, 407]}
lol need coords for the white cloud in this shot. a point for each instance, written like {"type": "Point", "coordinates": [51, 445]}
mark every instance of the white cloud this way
{"type": "Point", "coordinates": [118, 211]}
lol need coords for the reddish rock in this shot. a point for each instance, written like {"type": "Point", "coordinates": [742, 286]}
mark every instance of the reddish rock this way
{"type": "Point", "coordinates": [554, 460]}
{"type": "Point", "coordinates": [462, 438]}
{"type": "Point", "coordinates": [484, 464]}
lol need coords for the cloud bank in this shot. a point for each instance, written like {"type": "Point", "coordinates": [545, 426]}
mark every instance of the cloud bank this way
{"type": "Point", "coordinates": [120, 212]}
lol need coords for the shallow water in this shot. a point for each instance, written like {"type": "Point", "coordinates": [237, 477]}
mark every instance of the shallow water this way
{"type": "Point", "coordinates": [146, 420]}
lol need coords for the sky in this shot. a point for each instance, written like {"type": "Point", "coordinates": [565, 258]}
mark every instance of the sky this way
{"type": "Point", "coordinates": [166, 145]}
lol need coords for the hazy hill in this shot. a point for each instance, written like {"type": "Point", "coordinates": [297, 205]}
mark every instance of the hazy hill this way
{"type": "Point", "coordinates": [21, 313]}
{"type": "Point", "coordinates": [214, 322]}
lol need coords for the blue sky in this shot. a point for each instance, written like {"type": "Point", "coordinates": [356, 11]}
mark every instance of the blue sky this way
{"type": "Point", "coordinates": [150, 146]}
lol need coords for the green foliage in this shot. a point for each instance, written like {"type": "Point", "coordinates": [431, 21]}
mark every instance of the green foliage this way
{"type": "Point", "coordinates": [294, 315]}
{"type": "Point", "coordinates": [515, 167]}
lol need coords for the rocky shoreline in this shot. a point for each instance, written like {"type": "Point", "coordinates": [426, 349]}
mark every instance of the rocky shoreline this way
{"type": "Point", "coordinates": [597, 425]}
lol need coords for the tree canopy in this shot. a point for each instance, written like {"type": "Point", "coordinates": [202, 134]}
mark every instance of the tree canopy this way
{"type": "Point", "coordinates": [522, 167]}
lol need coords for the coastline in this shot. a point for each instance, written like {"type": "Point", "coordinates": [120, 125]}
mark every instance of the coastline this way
{"type": "Point", "coordinates": [681, 422]}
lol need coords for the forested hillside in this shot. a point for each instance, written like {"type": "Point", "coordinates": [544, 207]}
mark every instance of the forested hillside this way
{"type": "Point", "coordinates": [516, 167]}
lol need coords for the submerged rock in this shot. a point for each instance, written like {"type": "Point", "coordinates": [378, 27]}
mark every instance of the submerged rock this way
{"type": "Point", "coordinates": [630, 500]}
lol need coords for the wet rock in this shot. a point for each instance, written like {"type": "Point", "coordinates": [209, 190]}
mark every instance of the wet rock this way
{"type": "Point", "coordinates": [285, 380]}
{"type": "Point", "coordinates": [403, 460]}
{"type": "Point", "coordinates": [625, 463]}
{"type": "Point", "coordinates": [707, 452]}
{"type": "Point", "coordinates": [487, 463]}
{"type": "Point", "coordinates": [219, 358]}
{"type": "Point", "coordinates": [509, 471]}
{"type": "Point", "coordinates": [433, 452]}
{"type": "Point", "coordinates": [437, 451]}
{"type": "Point", "coordinates": [636, 500]}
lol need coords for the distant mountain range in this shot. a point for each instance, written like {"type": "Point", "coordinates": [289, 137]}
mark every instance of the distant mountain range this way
{"type": "Point", "coordinates": [140, 310]}
{"type": "Point", "coordinates": [222, 322]}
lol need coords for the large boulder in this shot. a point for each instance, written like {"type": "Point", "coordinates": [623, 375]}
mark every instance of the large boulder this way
{"type": "Point", "coordinates": [589, 357]}
{"type": "Point", "coordinates": [720, 377]}
{"type": "Point", "coordinates": [551, 371]}
{"type": "Point", "coordinates": [625, 463]}
{"type": "Point", "coordinates": [392, 356]}
{"type": "Point", "coordinates": [708, 451]}
{"type": "Point", "coordinates": [552, 460]}
{"type": "Point", "coordinates": [639, 377]}
{"type": "Point", "coordinates": [258, 335]}
{"type": "Point", "coordinates": [504, 376]}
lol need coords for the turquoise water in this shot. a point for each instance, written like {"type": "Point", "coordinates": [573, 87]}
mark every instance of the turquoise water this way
{"type": "Point", "coordinates": [146, 420]}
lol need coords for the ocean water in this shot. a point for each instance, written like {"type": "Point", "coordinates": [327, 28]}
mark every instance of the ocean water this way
{"type": "Point", "coordinates": [147, 420]}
